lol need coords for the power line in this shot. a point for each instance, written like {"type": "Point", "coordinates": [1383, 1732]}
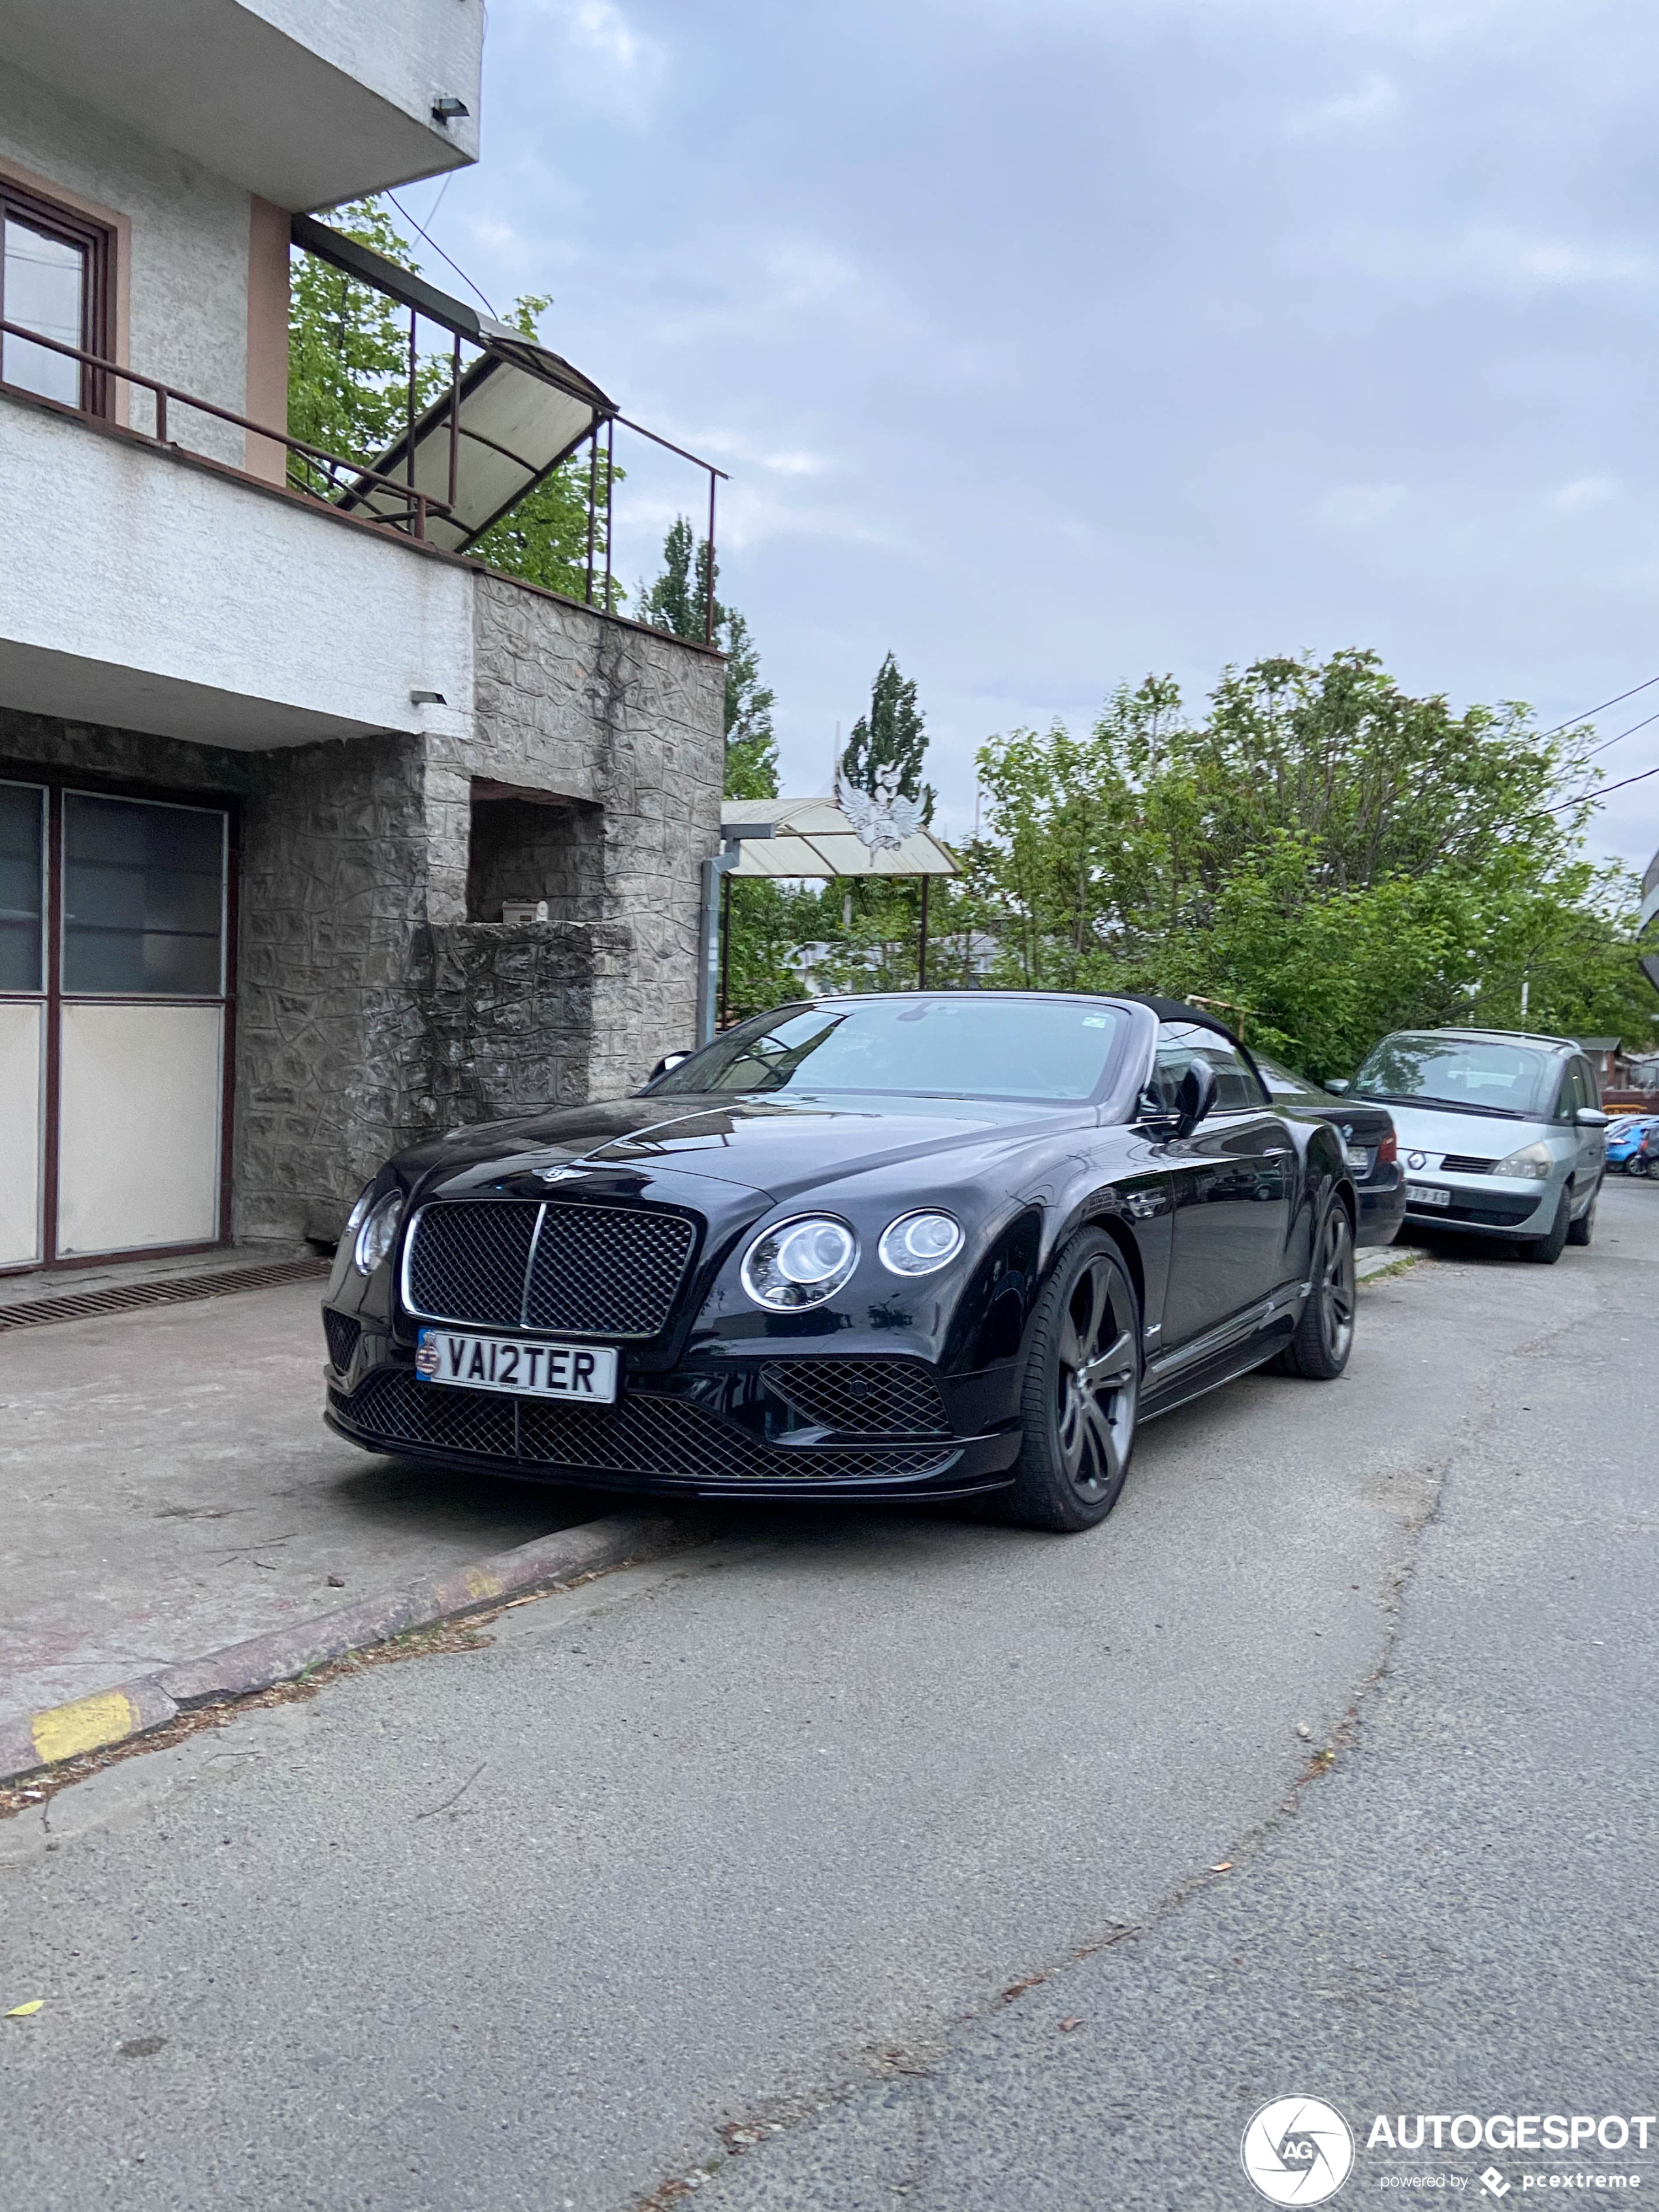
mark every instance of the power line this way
{"type": "Point", "coordinates": [1575, 720]}
{"type": "Point", "coordinates": [471, 287]}
{"type": "Point", "coordinates": [1590, 798]}
{"type": "Point", "coordinates": [1630, 732]}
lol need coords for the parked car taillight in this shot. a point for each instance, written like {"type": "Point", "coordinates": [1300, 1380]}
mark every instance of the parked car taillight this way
{"type": "Point", "coordinates": [1389, 1151]}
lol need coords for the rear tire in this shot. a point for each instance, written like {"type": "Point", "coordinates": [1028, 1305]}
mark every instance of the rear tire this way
{"type": "Point", "coordinates": [1580, 1232]}
{"type": "Point", "coordinates": [1324, 1329]}
{"type": "Point", "coordinates": [1546, 1250]}
{"type": "Point", "coordinates": [1081, 1391]}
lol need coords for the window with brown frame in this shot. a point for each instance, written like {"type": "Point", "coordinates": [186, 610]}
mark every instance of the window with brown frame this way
{"type": "Point", "coordinates": [54, 279]}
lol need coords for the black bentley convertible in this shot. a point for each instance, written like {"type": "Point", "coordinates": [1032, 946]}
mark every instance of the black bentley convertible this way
{"type": "Point", "coordinates": [925, 1246]}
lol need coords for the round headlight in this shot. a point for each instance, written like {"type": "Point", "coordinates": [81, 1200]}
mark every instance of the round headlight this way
{"type": "Point", "coordinates": [916, 1243]}
{"type": "Point", "coordinates": [378, 1233]}
{"type": "Point", "coordinates": [800, 1263]}
{"type": "Point", "coordinates": [354, 1219]}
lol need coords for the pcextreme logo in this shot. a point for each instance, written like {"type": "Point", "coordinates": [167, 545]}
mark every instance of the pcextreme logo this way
{"type": "Point", "coordinates": [1298, 2150]}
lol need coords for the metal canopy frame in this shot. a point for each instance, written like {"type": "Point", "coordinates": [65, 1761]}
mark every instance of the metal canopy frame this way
{"type": "Point", "coordinates": [427, 454]}
{"type": "Point", "coordinates": [763, 839]}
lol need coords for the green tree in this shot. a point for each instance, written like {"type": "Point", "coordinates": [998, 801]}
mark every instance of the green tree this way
{"type": "Point", "coordinates": [1320, 851]}
{"type": "Point", "coordinates": [349, 393]}
{"type": "Point", "coordinates": [892, 736]}
{"type": "Point", "coordinates": [677, 602]}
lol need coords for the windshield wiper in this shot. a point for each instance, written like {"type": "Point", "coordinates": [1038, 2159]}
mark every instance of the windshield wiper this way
{"type": "Point", "coordinates": [1449, 1105]}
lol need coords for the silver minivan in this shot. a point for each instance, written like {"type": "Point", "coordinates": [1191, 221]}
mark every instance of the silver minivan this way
{"type": "Point", "coordinates": [1501, 1134]}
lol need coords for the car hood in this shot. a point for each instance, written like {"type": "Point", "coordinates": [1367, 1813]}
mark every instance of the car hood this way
{"type": "Point", "coordinates": [767, 1145]}
{"type": "Point", "coordinates": [1480, 1136]}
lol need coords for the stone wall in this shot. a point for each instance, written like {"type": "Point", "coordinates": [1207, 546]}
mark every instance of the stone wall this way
{"type": "Point", "coordinates": [570, 702]}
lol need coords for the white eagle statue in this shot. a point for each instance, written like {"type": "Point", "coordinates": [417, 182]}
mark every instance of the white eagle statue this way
{"type": "Point", "coordinates": [883, 819]}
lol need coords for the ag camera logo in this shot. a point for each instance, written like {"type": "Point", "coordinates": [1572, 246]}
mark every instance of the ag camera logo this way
{"type": "Point", "coordinates": [1298, 2150]}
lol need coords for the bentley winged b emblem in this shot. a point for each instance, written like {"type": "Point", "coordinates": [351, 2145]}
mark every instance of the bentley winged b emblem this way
{"type": "Point", "coordinates": [884, 818]}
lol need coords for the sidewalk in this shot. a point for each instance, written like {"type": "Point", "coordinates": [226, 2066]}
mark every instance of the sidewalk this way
{"type": "Point", "coordinates": [169, 1488]}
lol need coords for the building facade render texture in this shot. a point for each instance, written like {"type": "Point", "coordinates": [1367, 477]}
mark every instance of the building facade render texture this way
{"type": "Point", "coordinates": [269, 773]}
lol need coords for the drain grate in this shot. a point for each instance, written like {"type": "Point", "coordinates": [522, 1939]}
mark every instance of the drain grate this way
{"type": "Point", "coordinates": [179, 1290]}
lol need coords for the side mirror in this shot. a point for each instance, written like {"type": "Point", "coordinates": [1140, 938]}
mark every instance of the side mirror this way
{"type": "Point", "coordinates": [1340, 1083]}
{"type": "Point", "coordinates": [1590, 1117]}
{"type": "Point", "coordinates": [669, 1060]}
{"type": "Point", "coordinates": [1195, 1097]}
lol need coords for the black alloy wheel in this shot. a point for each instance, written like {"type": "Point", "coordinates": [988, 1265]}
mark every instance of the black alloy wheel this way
{"type": "Point", "coordinates": [1082, 1390]}
{"type": "Point", "coordinates": [1546, 1250]}
{"type": "Point", "coordinates": [1324, 1329]}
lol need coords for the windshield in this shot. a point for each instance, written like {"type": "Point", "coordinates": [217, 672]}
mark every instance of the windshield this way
{"type": "Point", "coordinates": [963, 1046]}
{"type": "Point", "coordinates": [1283, 1084]}
{"type": "Point", "coordinates": [1491, 1077]}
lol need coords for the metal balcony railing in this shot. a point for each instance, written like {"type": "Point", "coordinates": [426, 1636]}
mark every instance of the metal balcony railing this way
{"type": "Point", "coordinates": [338, 471]}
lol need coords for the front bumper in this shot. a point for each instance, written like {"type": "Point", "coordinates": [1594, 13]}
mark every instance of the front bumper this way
{"type": "Point", "coordinates": [687, 1433]}
{"type": "Point", "coordinates": [1512, 1210]}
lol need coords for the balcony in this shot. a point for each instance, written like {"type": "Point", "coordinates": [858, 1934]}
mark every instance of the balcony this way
{"type": "Point", "coordinates": [153, 585]}
{"type": "Point", "coordinates": [305, 102]}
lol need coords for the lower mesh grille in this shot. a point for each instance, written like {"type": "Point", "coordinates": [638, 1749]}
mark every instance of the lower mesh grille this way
{"type": "Point", "coordinates": [390, 1403]}
{"type": "Point", "coordinates": [342, 1331]}
{"type": "Point", "coordinates": [861, 1397]}
{"type": "Point", "coordinates": [642, 1434]}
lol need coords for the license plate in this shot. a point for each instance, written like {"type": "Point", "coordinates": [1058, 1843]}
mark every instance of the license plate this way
{"type": "Point", "coordinates": [528, 1370]}
{"type": "Point", "coordinates": [1356, 1156]}
{"type": "Point", "coordinates": [1425, 1194]}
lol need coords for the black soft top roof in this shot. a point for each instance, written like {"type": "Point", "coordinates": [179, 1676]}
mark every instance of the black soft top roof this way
{"type": "Point", "coordinates": [1176, 1009]}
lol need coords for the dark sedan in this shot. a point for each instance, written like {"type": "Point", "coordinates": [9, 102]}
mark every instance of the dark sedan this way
{"type": "Point", "coordinates": [927, 1246]}
{"type": "Point", "coordinates": [1369, 1143]}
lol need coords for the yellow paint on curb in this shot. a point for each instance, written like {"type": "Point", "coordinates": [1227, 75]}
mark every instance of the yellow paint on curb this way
{"type": "Point", "coordinates": [62, 1730]}
{"type": "Point", "coordinates": [479, 1584]}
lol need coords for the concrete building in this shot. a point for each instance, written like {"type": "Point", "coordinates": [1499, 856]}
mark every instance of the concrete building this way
{"type": "Point", "coordinates": [271, 769]}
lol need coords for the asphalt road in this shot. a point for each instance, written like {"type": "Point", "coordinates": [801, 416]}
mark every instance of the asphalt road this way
{"type": "Point", "coordinates": [764, 1837]}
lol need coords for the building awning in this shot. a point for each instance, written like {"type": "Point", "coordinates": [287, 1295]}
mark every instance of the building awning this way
{"type": "Point", "coordinates": [813, 837]}
{"type": "Point", "coordinates": [518, 412]}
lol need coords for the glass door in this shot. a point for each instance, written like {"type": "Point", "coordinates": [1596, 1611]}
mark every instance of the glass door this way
{"type": "Point", "coordinates": [22, 1021]}
{"type": "Point", "coordinates": [141, 1024]}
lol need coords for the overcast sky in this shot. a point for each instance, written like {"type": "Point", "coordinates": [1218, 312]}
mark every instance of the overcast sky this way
{"type": "Point", "coordinates": [1050, 341]}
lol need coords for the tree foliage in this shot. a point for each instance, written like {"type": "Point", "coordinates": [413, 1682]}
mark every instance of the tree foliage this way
{"type": "Point", "coordinates": [677, 602]}
{"type": "Point", "coordinates": [349, 372]}
{"type": "Point", "coordinates": [891, 735]}
{"type": "Point", "coordinates": [1322, 853]}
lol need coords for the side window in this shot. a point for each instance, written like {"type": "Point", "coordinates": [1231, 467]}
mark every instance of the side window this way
{"type": "Point", "coordinates": [1179, 1044]}
{"type": "Point", "coordinates": [1588, 1083]}
{"type": "Point", "coordinates": [1571, 1096]}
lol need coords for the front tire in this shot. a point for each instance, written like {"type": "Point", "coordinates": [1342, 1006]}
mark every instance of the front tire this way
{"type": "Point", "coordinates": [1324, 1328]}
{"type": "Point", "coordinates": [1581, 1231]}
{"type": "Point", "coordinates": [1546, 1250]}
{"type": "Point", "coordinates": [1081, 1392]}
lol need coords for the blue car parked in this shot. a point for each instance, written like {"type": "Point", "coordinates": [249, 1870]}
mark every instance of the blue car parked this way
{"type": "Point", "coordinates": [1629, 1149]}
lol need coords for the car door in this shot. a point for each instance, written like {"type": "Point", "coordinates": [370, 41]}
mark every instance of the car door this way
{"type": "Point", "coordinates": [1592, 1143]}
{"type": "Point", "coordinates": [1233, 1179]}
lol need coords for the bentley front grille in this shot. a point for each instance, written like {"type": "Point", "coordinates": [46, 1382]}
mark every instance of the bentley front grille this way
{"type": "Point", "coordinates": [523, 1263]}
{"type": "Point", "coordinates": [643, 1435]}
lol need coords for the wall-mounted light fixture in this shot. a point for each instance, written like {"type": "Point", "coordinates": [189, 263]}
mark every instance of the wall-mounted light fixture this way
{"type": "Point", "coordinates": [446, 110]}
{"type": "Point", "coordinates": [427, 699]}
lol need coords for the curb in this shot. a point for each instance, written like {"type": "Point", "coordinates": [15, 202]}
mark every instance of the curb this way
{"type": "Point", "coordinates": [110, 1717]}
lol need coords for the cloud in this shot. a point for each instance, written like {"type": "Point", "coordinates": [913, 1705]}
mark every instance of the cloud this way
{"type": "Point", "coordinates": [1585, 492]}
{"type": "Point", "coordinates": [1360, 506]}
{"type": "Point", "coordinates": [1372, 101]}
{"type": "Point", "coordinates": [604, 30]}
